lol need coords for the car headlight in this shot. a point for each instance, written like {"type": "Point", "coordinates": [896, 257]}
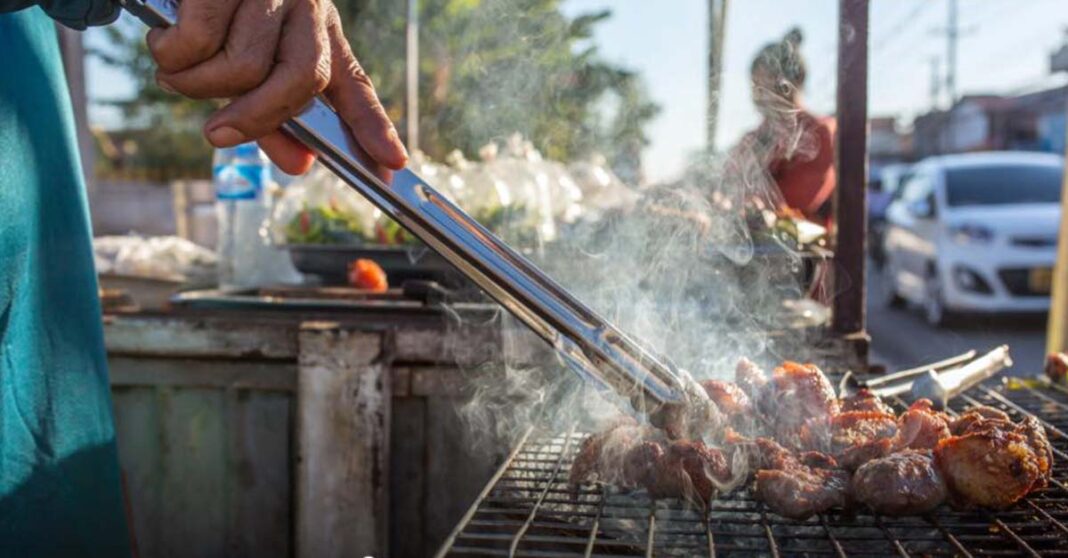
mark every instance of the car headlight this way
{"type": "Point", "coordinates": [971, 233]}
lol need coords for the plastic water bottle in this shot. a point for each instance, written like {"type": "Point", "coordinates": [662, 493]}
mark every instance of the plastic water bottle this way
{"type": "Point", "coordinates": [244, 193]}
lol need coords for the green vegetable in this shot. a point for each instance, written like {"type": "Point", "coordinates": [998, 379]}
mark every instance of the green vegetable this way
{"type": "Point", "coordinates": [324, 225]}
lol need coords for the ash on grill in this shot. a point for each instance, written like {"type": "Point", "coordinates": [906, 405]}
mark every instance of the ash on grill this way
{"type": "Point", "coordinates": [531, 509]}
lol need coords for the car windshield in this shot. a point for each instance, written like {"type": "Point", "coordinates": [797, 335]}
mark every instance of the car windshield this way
{"type": "Point", "coordinates": [1003, 185]}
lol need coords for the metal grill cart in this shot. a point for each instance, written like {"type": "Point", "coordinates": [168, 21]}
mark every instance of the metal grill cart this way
{"type": "Point", "coordinates": [283, 426]}
{"type": "Point", "coordinates": [529, 509]}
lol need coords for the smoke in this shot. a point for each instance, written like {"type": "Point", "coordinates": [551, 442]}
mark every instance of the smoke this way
{"type": "Point", "coordinates": [693, 269]}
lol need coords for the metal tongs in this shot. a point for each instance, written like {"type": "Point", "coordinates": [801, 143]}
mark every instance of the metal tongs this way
{"type": "Point", "coordinates": [587, 342]}
{"type": "Point", "coordinates": [939, 381]}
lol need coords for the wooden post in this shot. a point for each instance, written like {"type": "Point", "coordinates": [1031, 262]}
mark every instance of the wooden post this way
{"type": "Point", "coordinates": [851, 159]}
{"type": "Point", "coordinates": [73, 52]}
{"type": "Point", "coordinates": [343, 409]}
{"type": "Point", "coordinates": [1057, 327]}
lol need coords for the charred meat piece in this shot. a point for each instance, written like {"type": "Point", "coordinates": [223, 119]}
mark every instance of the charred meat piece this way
{"type": "Point", "coordinates": [797, 393]}
{"type": "Point", "coordinates": [974, 416]}
{"type": "Point", "coordinates": [1036, 437]}
{"type": "Point", "coordinates": [921, 427]}
{"type": "Point", "coordinates": [693, 418]}
{"type": "Point", "coordinates": [732, 402]}
{"type": "Point", "coordinates": [600, 454]}
{"type": "Point", "coordinates": [640, 462]}
{"type": "Point", "coordinates": [771, 455]}
{"type": "Point", "coordinates": [690, 470]}
{"type": "Point", "coordinates": [751, 379]}
{"type": "Point", "coordinates": [904, 483]}
{"type": "Point", "coordinates": [799, 491]}
{"type": "Point", "coordinates": [865, 400]}
{"type": "Point", "coordinates": [1057, 366]}
{"type": "Point", "coordinates": [992, 464]}
{"type": "Point", "coordinates": [853, 438]}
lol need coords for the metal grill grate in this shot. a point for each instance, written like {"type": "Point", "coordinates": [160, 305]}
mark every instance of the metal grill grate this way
{"type": "Point", "coordinates": [528, 509]}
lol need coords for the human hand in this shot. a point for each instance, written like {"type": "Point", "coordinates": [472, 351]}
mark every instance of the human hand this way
{"type": "Point", "coordinates": [271, 57]}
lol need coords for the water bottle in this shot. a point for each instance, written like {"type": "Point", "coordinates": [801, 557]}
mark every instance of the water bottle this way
{"type": "Point", "coordinates": [244, 198]}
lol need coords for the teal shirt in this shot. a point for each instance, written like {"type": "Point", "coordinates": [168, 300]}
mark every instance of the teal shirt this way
{"type": "Point", "coordinates": [60, 491]}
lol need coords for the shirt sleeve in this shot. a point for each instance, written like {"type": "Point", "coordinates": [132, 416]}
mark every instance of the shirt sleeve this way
{"type": "Point", "coordinates": [76, 14]}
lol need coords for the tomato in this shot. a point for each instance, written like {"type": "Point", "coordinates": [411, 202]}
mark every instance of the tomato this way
{"type": "Point", "coordinates": [366, 274]}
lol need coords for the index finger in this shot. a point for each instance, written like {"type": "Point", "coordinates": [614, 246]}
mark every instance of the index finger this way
{"type": "Point", "coordinates": [198, 34]}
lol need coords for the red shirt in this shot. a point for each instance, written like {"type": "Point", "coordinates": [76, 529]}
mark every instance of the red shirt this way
{"type": "Point", "coordinates": [799, 156]}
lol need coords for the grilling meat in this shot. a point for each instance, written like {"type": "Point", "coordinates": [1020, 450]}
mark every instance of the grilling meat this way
{"type": "Point", "coordinates": [819, 452]}
{"type": "Point", "coordinates": [976, 415]}
{"type": "Point", "coordinates": [1056, 366]}
{"type": "Point", "coordinates": [751, 379]}
{"type": "Point", "coordinates": [853, 438]}
{"type": "Point", "coordinates": [690, 470]}
{"type": "Point", "coordinates": [797, 393]}
{"type": "Point", "coordinates": [799, 491]}
{"type": "Point", "coordinates": [600, 454]}
{"type": "Point", "coordinates": [904, 483]}
{"type": "Point", "coordinates": [865, 400]}
{"type": "Point", "coordinates": [694, 418]}
{"type": "Point", "coordinates": [639, 464]}
{"type": "Point", "coordinates": [994, 463]}
{"type": "Point", "coordinates": [921, 427]}
{"type": "Point", "coordinates": [731, 401]}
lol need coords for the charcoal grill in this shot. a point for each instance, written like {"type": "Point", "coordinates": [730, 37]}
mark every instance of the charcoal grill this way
{"type": "Point", "coordinates": [528, 509]}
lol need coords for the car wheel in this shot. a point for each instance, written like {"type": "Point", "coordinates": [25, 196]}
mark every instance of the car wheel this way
{"type": "Point", "coordinates": [889, 294]}
{"type": "Point", "coordinates": [934, 304]}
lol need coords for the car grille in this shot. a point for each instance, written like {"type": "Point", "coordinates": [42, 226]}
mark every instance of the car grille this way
{"type": "Point", "coordinates": [1017, 282]}
{"type": "Point", "coordinates": [1034, 241]}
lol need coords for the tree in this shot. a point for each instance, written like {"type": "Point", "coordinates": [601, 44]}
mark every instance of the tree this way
{"type": "Point", "coordinates": [488, 68]}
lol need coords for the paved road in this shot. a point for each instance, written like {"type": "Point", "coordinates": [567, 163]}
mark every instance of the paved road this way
{"type": "Point", "coordinates": [901, 338]}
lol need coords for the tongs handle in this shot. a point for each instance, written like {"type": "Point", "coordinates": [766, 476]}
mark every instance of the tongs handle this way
{"type": "Point", "coordinates": [587, 342]}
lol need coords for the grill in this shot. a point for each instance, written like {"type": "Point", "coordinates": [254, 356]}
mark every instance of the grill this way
{"type": "Point", "coordinates": [528, 509]}
{"type": "Point", "coordinates": [1018, 282]}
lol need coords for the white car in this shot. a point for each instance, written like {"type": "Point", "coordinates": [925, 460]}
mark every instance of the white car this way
{"type": "Point", "coordinates": [975, 233]}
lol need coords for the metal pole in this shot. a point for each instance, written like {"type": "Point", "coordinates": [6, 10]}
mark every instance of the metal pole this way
{"type": "Point", "coordinates": [851, 150]}
{"type": "Point", "coordinates": [717, 23]}
{"type": "Point", "coordinates": [412, 98]}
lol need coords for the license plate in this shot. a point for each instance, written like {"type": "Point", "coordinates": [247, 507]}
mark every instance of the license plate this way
{"type": "Point", "coordinates": [1040, 280]}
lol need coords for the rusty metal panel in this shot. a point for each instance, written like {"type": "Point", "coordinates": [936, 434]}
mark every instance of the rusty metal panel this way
{"type": "Point", "coordinates": [207, 469]}
{"type": "Point", "coordinates": [254, 375]}
{"type": "Point", "coordinates": [199, 337]}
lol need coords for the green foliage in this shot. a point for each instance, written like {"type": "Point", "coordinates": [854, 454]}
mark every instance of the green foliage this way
{"type": "Point", "coordinates": [487, 68]}
{"type": "Point", "coordinates": [162, 137]}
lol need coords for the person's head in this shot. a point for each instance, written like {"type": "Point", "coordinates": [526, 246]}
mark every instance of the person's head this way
{"type": "Point", "coordinates": [778, 75]}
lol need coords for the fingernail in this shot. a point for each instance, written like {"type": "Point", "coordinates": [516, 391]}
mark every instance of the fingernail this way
{"type": "Point", "coordinates": [226, 136]}
{"type": "Point", "coordinates": [165, 86]}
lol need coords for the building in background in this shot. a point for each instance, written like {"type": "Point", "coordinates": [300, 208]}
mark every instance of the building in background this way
{"type": "Point", "coordinates": [1028, 122]}
{"type": "Point", "coordinates": [887, 143]}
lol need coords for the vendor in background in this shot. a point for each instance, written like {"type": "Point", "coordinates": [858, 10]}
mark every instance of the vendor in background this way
{"type": "Point", "coordinates": [60, 489]}
{"type": "Point", "coordinates": [794, 147]}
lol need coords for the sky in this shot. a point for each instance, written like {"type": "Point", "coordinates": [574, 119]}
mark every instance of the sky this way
{"type": "Point", "coordinates": [1004, 48]}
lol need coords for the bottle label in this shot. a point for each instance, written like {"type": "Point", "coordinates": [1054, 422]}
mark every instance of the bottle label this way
{"type": "Point", "coordinates": [239, 182]}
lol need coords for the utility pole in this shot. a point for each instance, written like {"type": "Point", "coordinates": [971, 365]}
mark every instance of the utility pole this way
{"type": "Point", "coordinates": [952, 36]}
{"type": "Point", "coordinates": [717, 20]}
{"type": "Point", "coordinates": [412, 85]}
{"type": "Point", "coordinates": [936, 82]}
